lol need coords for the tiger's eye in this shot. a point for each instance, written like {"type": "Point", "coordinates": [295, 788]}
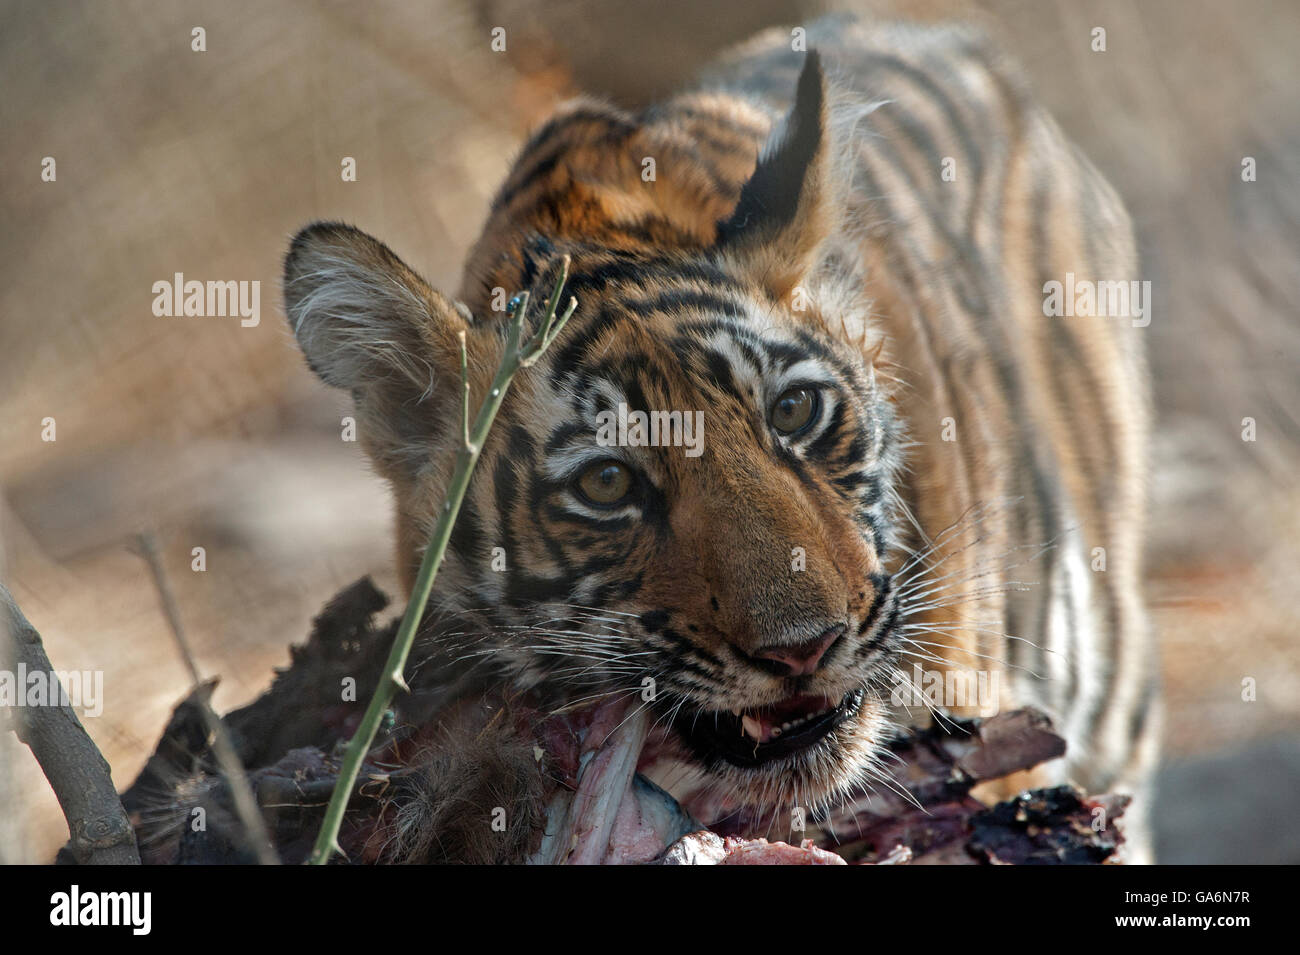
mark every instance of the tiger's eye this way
{"type": "Point", "coordinates": [605, 483]}
{"type": "Point", "coordinates": [794, 410]}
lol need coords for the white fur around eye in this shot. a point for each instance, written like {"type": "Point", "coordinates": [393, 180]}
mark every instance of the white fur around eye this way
{"type": "Point", "coordinates": [811, 374]}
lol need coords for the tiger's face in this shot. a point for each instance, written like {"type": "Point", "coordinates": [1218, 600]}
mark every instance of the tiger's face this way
{"type": "Point", "coordinates": [686, 500]}
{"type": "Point", "coordinates": [691, 489]}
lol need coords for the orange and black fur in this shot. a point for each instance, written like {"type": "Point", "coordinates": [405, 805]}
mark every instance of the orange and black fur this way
{"type": "Point", "coordinates": [904, 459]}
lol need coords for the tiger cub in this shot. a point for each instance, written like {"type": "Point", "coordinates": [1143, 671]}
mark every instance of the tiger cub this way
{"type": "Point", "coordinates": [906, 465]}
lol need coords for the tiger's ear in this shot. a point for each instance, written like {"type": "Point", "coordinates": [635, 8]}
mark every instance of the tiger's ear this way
{"type": "Point", "coordinates": [363, 317]}
{"type": "Point", "coordinates": [784, 209]}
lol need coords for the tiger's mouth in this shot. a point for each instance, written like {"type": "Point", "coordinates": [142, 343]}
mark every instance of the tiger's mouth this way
{"type": "Point", "coordinates": [754, 737]}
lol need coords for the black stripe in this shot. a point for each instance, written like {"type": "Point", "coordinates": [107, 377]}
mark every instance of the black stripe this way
{"type": "Point", "coordinates": [569, 360]}
{"type": "Point", "coordinates": [467, 535]}
{"type": "Point", "coordinates": [925, 84]}
{"type": "Point", "coordinates": [535, 248]}
{"type": "Point", "coordinates": [650, 229]}
{"type": "Point", "coordinates": [720, 373]}
{"type": "Point", "coordinates": [1146, 704]}
{"type": "Point", "coordinates": [563, 434]}
{"type": "Point", "coordinates": [783, 354]}
{"type": "Point", "coordinates": [671, 111]}
{"type": "Point", "coordinates": [609, 127]}
{"type": "Point", "coordinates": [605, 525]}
{"type": "Point", "coordinates": [831, 434]}
{"type": "Point", "coordinates": [687, 645]}
{"type": "Point", "coordinates": [679, 299]}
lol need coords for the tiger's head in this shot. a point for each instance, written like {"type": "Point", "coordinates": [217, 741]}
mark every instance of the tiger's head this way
{"type": "Point", "coordinates": [687, 498]}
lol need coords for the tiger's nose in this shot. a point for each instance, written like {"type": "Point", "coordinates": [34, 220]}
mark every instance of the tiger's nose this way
{"type": "Point", "coordinates": [800, 658]}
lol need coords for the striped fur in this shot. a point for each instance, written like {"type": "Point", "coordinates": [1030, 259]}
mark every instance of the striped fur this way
{"type": "Point", "coordinates": [797, 233]}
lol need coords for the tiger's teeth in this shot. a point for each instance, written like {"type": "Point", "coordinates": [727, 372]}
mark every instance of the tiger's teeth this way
{"type": "Point", "coordinates": [752, 727]}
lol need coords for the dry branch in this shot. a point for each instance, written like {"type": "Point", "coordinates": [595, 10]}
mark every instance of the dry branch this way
{"type": "Point", "coordinates": [222, 749]}
{"type": "Point", "coordinates": [98, 829]}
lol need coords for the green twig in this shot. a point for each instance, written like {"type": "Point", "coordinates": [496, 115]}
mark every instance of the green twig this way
{"type": "Point", "coordinates": [391, 680]}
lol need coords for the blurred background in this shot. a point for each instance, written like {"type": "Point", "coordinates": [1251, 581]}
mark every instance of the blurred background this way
{"type": "Point", "coordinates": [216, 436]}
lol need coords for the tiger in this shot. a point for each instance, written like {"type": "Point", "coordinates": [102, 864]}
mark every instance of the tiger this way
{"type": "Point", "coordinates": [838, 250]}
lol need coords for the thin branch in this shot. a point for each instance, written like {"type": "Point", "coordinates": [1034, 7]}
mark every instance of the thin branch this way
{"type": "Point", "coordinates": [392, 679]}
{"type": "Point", "coordinates": [246, 807]}
{"type": "Point", "coordinates": [99, 830]}
{"type": "Point", "coordinates": [464, 390]}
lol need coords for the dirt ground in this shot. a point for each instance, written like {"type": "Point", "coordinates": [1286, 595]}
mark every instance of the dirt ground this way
{"type": "Point", "coordinates": [215, 435]}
